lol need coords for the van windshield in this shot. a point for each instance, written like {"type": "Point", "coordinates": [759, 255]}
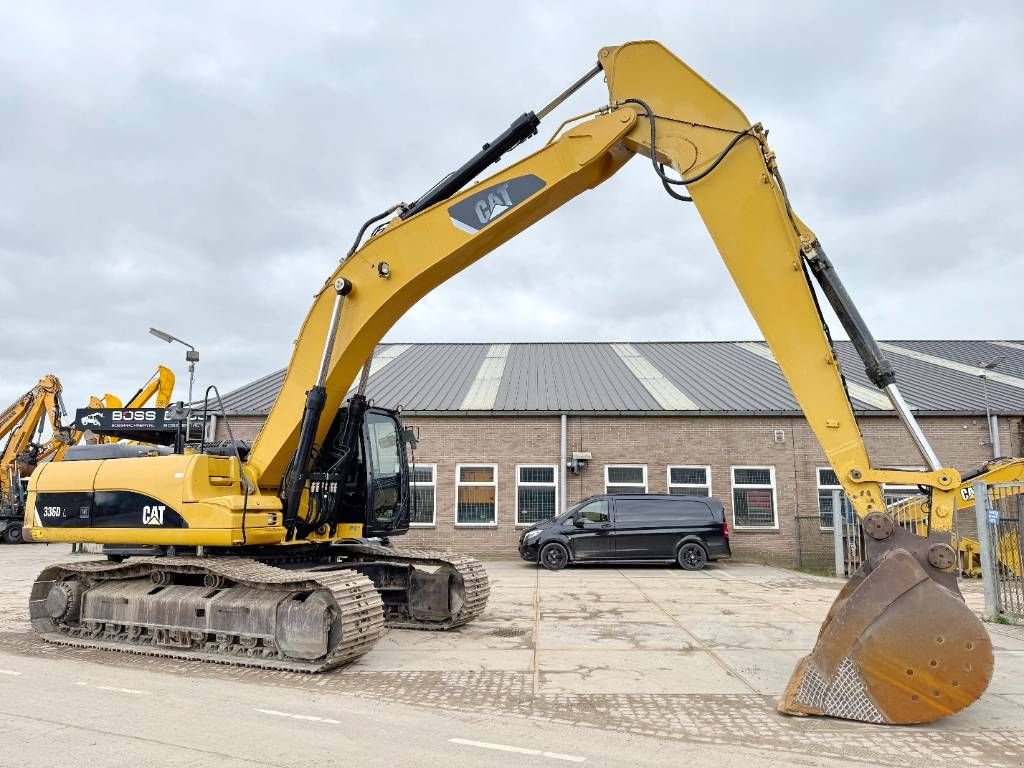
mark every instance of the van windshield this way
{"type": "Point", "coordinates": [571, 512]}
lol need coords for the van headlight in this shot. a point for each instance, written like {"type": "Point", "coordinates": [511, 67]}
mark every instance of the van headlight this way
{"type": "Point", "coordinates": [530, 537]}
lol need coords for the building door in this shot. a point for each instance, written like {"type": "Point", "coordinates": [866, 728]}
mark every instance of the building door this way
{"type": "Point", "coordinates": [590, 537]}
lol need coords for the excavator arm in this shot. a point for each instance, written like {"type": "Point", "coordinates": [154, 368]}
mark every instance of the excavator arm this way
{"type": "Point", "coordinates": [893, 643]}
{"type": "Point", "coordinates": [161, 384]}
{"type": "Point", "coordinates": [22, 419]}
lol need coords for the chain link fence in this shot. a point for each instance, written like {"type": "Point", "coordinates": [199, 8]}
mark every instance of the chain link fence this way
{"type": "Point", "coordinates": [1001, 534]}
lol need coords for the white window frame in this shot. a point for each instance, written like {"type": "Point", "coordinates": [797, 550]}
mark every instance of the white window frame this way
{"type": "Point", "coordinates": [459, 484]}
{"type": "Point", "coordinates": [707, 476]}
{"type": "Point", "coordinates": [775, 496]}
{"type": "Point", "coordinates": [412, 485]}
{"type": "Point", "coordinates": [837, 487]}
{"type": "Point", "coordinates": [535, 485]}
{"type": "Point", "coordinates": [642, 489]}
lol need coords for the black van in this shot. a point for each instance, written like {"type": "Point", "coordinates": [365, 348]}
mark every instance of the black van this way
{"type": "Point", "coordinates": [643, 528]}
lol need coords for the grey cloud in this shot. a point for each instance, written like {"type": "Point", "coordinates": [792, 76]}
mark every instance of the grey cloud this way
{"type": "Point", "coordinates": [201, 168]}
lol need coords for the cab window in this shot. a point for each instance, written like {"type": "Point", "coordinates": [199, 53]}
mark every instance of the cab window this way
{"type": "Point", "coordinates": [595, 512]}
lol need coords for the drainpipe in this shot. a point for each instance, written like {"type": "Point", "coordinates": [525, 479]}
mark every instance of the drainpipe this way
{"type": "Point", "coordinates": [993, 430]}
{"type": "Point", "coordinates": [562, 506]}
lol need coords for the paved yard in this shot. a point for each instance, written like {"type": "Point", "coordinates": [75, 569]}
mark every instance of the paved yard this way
{"type": "Point", "coordinates": [689, 658]}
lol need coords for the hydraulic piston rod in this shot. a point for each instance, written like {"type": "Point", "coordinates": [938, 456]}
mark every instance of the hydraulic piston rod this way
{"type": "Point", "coordinates": [315, 399]}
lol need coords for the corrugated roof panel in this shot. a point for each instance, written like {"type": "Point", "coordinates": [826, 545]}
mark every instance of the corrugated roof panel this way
{"type": "Point", "coordinates": [570, 377]}
{"type": "Point", "coordinates": [721, 377]}
{"type": "Point", "coordinates": [483, 391]}
{"type": "Point", "coordinates": [930, 387]}
{"type": "Point", "coordinates": [717, 377]}
{"type": "Point", "coordinates": [863, 397]}
{"type": "Point", "coordinates": [976, 353]}
{"type": "Point", "coordinates": [668, 395]}
{"type": "Point", "coordinates": [992, 374]}
{"type": "Point", "coordinates": [429, 377]}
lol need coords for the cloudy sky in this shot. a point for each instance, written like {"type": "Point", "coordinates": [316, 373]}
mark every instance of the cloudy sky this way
{"type": "Point", "coordinates": [200, 167]}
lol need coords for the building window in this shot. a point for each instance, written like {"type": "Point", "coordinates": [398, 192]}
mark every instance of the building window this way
{"type": "Point", "coordinates": [830, 498]}
{"type": "Point", "coordinates": [625, 478]}
{"type": "Point", "coordinates": [689, 481]}
{"type": "Point", "coordinates": [423, 483]}
{"type": "Point", "coordinates": [753, 497]}
{"type": "Point", "coordinates": [476, 494]}
{"type": "Point", "coordinates": [536, 493]}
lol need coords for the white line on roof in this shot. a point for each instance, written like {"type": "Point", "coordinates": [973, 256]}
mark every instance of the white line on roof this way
{"type": "Point", "coordinates": [872, 397]}
{"type": "Point", "coordinates": [668, 395]}
{"type": "Point", "coordinates": [971, 370]}
{"type": "Point", "coordinates": [382, 357]}
{"type": "Point", "coordinates": [483, 392]}
{"type": "Point", "coordinates": [1008, 344]}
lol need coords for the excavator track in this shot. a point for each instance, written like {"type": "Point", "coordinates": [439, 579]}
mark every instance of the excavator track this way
{"type": "Point", "coordinates": [226, 610]}
{"type": "Point", "coordinates": [469, 587]}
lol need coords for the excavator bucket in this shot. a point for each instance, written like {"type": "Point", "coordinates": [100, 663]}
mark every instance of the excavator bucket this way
{"type": "Point", "coordinates": [898, 646]}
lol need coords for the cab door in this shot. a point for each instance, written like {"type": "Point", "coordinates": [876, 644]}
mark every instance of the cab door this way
{"type": "Point", "coordinates": [590, 533]}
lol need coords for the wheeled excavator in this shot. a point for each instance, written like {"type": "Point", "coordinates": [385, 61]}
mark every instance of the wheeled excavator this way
{"type": "Point", "coordinates": [265, 557]}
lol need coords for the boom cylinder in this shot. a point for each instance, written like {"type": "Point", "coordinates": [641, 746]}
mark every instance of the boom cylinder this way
{"type": "Point", "coordinates": [316, 397]}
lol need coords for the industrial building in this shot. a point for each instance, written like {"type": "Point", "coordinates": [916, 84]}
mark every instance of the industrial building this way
{"type": "Point", "coordinates": [513, 433]}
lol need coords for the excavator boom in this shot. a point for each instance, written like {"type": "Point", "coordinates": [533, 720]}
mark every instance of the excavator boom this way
{"type": "Point", "coordinates": [899, 645]}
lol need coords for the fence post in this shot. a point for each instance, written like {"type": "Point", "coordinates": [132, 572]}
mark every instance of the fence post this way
{"type": "Point", "coordinates": [837, 533]}
{"type": "Point", "coordinates": [989, 558]}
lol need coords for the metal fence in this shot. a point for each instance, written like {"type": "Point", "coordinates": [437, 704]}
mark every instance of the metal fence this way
{"type": "Point", "coordinates": [998, 507]}
{"type": "Point", "coordinates": [834, 543]}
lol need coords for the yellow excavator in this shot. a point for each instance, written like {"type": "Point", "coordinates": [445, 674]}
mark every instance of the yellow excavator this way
{"type": "Point", "coordinates": [262, 558]}
{"type": "Point", "coordinates": [23, 418]}
{"type": "Point", "coordinates": [19, 423]}
{"type": "Point", "coordinates": [161, 384]}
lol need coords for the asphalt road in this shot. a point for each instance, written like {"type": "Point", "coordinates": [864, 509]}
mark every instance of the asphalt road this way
{"type": "Point", "coordinates": [58, 712]}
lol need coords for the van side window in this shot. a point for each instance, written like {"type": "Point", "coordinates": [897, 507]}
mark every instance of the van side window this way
{"type": "Point", "coordinates": [657, 511]}
{"type": "Point", "coordinates": [595, 512]}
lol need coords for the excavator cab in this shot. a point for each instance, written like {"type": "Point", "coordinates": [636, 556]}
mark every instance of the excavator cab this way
{"type": "Point", "coordinates": [361, 476]}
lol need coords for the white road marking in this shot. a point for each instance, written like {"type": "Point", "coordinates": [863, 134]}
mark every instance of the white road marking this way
{"type": "Point", "coordinates": [132, 691]}
{"type": "Point", "coordinates": [310, 718]}
{"type": "Point", "coordinates": [10, 672]}
{"type": "Point", "coordinates": [518, 750]}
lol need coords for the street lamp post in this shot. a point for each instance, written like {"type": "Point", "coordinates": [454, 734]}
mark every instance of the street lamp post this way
{"type": "Point", "coordinates": [191, 356]}
{"type": "Point", "coordinates": [993, 432]}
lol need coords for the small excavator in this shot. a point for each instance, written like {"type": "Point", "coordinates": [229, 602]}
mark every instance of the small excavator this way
{"type": "Point", "coordinates": [279, 557]}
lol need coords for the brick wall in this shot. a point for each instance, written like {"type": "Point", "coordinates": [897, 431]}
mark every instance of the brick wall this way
{"type": "Point", "coordinates": [721, 442]}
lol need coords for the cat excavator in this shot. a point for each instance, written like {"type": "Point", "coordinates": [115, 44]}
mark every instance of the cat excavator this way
{"type": "Point", "coordinates": [23, 418]}
{"type": "Point", "coordinates": [19, 423]}
{"type": "Point", "coordinates": [280, 557]}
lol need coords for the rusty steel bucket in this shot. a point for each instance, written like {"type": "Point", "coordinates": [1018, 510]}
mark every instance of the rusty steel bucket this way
{"type": "Point", "coordinates": [898, 646]}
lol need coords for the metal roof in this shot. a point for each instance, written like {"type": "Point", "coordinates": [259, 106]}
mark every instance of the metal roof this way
{"type": "Point", "coordinates": [709, 377]}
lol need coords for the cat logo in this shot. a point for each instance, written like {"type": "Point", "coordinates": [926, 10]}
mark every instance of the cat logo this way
{"type": "Point", "coordinates": [481, 207]}
{"type": "Point", "coordinates": [967, 493]}
{"type": "Point", "coordinates": [153, 514]}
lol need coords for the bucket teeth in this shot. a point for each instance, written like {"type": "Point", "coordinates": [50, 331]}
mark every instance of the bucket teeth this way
{"type": "Point", "coordinates": [896, 648]}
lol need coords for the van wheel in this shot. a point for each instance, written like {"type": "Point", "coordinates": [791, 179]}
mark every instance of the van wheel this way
{"type": "Point", "coordinates": [692, 557]}
{"type": "Point", "coordinates": [554, 556]}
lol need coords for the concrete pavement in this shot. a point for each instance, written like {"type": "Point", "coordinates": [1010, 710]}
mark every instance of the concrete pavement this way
{"type": "Point", "coordinates": [589, 659]}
